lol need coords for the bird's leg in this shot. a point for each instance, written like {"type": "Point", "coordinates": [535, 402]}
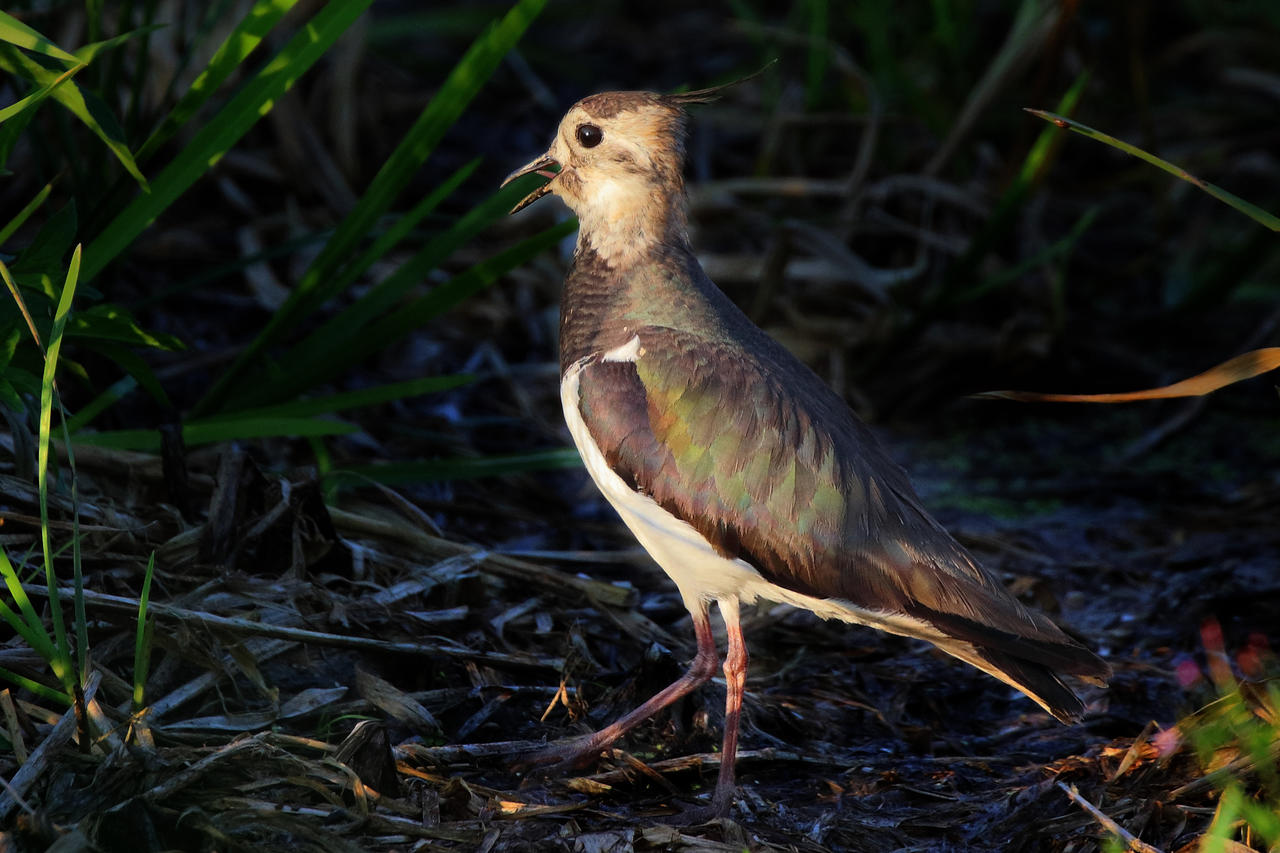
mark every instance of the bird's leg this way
{"type": "Point", "coordinates": [735, 679]}
{"type": "Point", "coordinates": [580, 750]}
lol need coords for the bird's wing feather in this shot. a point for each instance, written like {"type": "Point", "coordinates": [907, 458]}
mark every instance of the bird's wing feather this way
{"type": "Point", "coordinates": [780, 473]}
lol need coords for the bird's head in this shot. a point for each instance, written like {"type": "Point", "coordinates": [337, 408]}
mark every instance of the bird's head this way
{"type": "Point", "coordinates": [617, 161]}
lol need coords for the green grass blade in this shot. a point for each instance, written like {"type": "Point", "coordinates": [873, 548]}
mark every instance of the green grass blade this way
{"type": "Point", "coordinates": [198, 281]}
{"type": "Point", "coordinates": [233, 51]}
{"type": "Point", "coordinates": [398, 231]}
{"type": "Point", "coordinates": [32, 633]}
{"type": "Point", "coordinates": [471, 281]}
{"type": "Point", "coordinates": [116, 392]}
{"type": "Point", "coordinates": [324, 464]}
{"type": "Point", "coordinates": [19, 34]}
{"type": "Point", "coordinates": [462, 84]}
{"type": "Point", "coordinates": [1059, 248]}
{"type": "Point", "coordinates": [1252, 211]}
{"type": "Point", "coordinates": [16, 294]}
{"type": "Point", "coordinates": [253, 101]}
{"type": "Point", "coordinates": [137, 369]}
{"type": "Point", "coordinates": [1005, 214]}
{"type": "Point", "coordinates": [28, 625]}
{"type": "Point", "coordinates": [77, 566]}
{"type": "Point", "coordinates": [84, 105]}
{"type": "Point", "coordinates": [1223, 826]}
{"type": "Point", "coordinates": [30, 102]}
{"type": "Point", "coordinates": [142, 639]}
{"type": "Point", "coordinates": [396, 325]}
{"type": "Point", "coordinates": [434, 470]}
{"type": "Point", "coordinates": [392, 31]}
{"type": "Point", "coordinates": [324, 344]}
{"type": "Point", "coordinates": [111, 324]}
{"type": "Point", "coordinates": [77, 571]}
{"type": "Point", "coordinates": [62, 663]}
{"type": "Point", "coordinates": [387, 292]}
{"type": "Point", "coordinates": [23, 215]}
{"type": "Point", "coordinates": [1262, 819]}
{"type": "Point", "coordinates": [459, 88]}
{"type": "Point", "coordinates": [86, 54]}
{"type": "Point", "coordinates": [350, 399]}
{"type": "Point", "coordinates": [209, 432]}
{"type": "Point", "coordinates": [230, 55]}
{"type": "Point", "coordinates": [324, 351]}
{"type": "Point", "coordinates": [34, 686]}
{"type": "Point", "coordinates": [1037, 162]}
{"type": "Point", "coordinates": [44, 255]}
{"type": "Point", "coordinates": [818, 52]}
{"type": "Point", "coordinates": [93, 15]}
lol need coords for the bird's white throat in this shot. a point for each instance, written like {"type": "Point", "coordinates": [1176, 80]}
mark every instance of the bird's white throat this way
{"type": "Point", "coordinates": [622, 220]}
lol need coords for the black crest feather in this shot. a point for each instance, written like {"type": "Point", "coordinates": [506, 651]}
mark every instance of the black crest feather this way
{"type": "Point", "coordinates": [702, 96]}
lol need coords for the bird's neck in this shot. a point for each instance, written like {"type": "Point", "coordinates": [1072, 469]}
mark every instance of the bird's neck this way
{"type": "Point", "coordinates": [625, 222]}
{"type": "Point", "coordinates": [606, 302]}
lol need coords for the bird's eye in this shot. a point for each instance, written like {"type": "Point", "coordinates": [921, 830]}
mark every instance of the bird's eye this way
{"type": "Point", "coordinates": [589, 136]}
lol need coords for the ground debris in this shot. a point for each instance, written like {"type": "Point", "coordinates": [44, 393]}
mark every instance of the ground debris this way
{"type": "Point", "coordinates": [316, 708]}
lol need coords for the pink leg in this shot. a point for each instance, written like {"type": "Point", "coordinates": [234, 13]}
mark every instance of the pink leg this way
{"type": "Point", "coordinates": [583, 749]}
{"type": "Point", "coordinates": [735, 677]}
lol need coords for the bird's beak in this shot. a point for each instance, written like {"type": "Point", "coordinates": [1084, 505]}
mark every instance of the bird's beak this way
{"type": "Point", "coordinates": [541, 166]}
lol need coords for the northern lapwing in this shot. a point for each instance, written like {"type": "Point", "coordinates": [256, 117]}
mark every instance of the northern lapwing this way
{"type": "Point", "coordinates": [740, 472]}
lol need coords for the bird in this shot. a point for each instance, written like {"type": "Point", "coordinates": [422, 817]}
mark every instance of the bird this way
{"type": "Point", "coordinates": [737, 468]}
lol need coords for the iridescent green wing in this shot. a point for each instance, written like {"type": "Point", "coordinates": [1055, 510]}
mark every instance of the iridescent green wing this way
{"type": "Point", "coordinates": [748, 460]}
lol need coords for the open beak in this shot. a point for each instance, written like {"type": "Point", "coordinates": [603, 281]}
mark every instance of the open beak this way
{"type": "Point", "coordinates": [541, 166]}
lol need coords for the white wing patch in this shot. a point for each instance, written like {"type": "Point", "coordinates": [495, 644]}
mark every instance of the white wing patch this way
{"type": "Point", "coordinates": [630, 351]}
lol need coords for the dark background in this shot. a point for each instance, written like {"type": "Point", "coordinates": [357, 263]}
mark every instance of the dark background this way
{"type": "Point", "coordinates": [857, 200]}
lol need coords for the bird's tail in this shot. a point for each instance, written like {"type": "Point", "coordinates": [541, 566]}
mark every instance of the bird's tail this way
{"type": "Point", "coordinates": [1034, 664]}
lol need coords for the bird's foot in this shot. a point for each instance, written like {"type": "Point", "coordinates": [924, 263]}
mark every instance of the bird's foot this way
{"type": "Point", "coordinates": [698, 815]}
{"type": "Point", "coordinates": [564, 755]}
{"type": "Point", "coordinates": [717, 809]}
{"type": "Point", "coordinates": [693, 816]}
